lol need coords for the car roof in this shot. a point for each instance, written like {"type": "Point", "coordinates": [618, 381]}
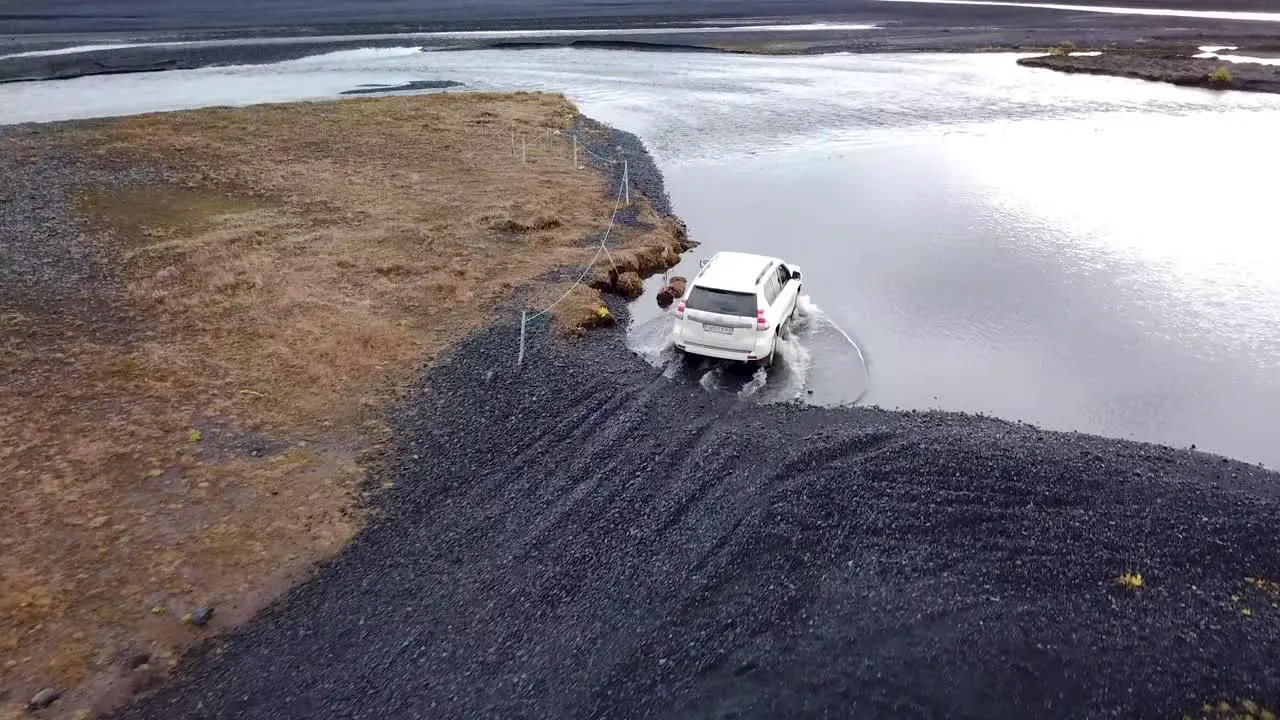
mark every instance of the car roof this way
{"type": "Point", "coordinates": [734, 271]}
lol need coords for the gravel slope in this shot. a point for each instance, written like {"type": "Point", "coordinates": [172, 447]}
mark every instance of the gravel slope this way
{"type": "Point", "coordinates": [587, 538]}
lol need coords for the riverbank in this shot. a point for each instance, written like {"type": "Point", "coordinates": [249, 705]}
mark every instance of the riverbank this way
{"type": "Point", "coordinates": [588, 536]}
{"type": "Point", "coordinates": [189, 41]}
{"type": "Point", "coordinates": [206, 315]}
{"type": "Point", "coordinates": [1177, 68]}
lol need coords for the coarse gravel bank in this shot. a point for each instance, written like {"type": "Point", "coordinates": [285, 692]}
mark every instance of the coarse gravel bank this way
{"type": "Point", "coordinates": [586, 536]}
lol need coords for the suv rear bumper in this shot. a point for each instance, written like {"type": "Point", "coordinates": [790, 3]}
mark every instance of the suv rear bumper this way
{"type": "Point", "coordinates": [763, 349]}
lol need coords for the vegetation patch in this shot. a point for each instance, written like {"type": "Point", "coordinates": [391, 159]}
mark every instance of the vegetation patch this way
{"type": "Point", "coordinates": [1066, 47]}
{"type": "Point", "coordinates": [1237, 710]}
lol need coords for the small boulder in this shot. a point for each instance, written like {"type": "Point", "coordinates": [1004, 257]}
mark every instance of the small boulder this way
{"type": "Point", "coordinates": [44, 699]}
{"type": "Point", "coordinates": [201, 615]}
{"type": "Point", "coordinates": [629, 285]}
{"type": "Point", "coordinates": [674, 288]}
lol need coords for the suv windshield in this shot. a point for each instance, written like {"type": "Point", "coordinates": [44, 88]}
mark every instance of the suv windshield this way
{"type": "Point", "coordinates": [722, 302]}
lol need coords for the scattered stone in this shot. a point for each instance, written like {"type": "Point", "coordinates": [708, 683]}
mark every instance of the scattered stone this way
{"type": "Point", "coordinates": [201, 615]}
{"type": "Point", "coordinates": [674, 288]}
{"type": "Point", "coordinates": [488, 376]}
{"type": "Point", "coordinates": [44, 699]}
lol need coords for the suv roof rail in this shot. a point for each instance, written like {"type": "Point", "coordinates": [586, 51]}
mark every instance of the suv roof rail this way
{"type": "Point", "coordinates": [764, 270]}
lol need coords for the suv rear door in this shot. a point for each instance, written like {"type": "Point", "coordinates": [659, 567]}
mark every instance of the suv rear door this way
{"type": "Point", "coordinates": [720, 318]}
{"type": "Point", "coordinates": [790, 294]}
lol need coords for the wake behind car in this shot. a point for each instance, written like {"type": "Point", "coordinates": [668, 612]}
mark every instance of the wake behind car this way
{"type": "Point", "coordinates": [736, 307]}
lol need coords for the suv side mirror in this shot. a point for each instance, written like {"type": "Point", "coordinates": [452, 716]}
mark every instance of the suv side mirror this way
{"type": "Point", "coordinates": [703, 262]}
{"type": "Point", "coordinates": [795, 274]}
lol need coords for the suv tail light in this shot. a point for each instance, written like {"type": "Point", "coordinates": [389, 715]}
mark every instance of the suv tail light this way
{"type": "Point", "coordinates": [761, 323]}
{"type": "Point", "coordinates": [680, 309]}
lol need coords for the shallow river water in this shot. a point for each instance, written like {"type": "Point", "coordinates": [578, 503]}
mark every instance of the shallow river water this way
{"type": "Point", "coordinates": [1084, 253]}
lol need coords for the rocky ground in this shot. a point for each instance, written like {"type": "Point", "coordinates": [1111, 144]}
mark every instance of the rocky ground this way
{"type": "Point", "coordinates": [585, 537]}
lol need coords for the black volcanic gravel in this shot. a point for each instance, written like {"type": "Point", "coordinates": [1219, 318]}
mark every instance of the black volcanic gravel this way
{"type": "Point", "coordinates": [584, 537]}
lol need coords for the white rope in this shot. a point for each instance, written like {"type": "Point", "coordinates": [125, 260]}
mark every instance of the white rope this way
{"type": "Point", "coordinates": [583, 147]}
{"type": "Point", "coordinates": [612, 218]}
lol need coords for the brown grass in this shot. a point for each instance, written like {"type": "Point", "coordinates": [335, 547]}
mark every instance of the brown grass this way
{"type": "Point", "coordinates": [304, 260]}
{"type": "Point", "coordinates": [1269, 588]}
{"type": "Point", "coordinates": [1237, 710]}
{"type": "Point", "coordinates": [575, 308]}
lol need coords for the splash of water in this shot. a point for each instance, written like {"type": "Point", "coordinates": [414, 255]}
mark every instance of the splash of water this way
{"type": "Point", "coordinates": [651, 340]}
{"type": "Point", "coordinates": [755, 384]}
{"type": "Point", "coordinates": [814, 314]}
{"type": "Point", "coordinates": [710, 380]}
{"type": "Point", "coordinates": [787, 380]}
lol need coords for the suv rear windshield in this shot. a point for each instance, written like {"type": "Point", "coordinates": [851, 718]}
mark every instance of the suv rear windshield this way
{"type": "Point", "coordinates": [722, 302]}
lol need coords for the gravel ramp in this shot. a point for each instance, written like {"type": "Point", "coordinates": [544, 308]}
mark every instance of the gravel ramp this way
{"type": "Point", "coordinates": [584, 537]}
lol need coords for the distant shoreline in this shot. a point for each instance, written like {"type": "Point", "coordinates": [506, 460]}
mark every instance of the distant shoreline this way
{"type": "Point", "coordinates": [1175, 69]}
{"type": "Point", "coordinates": [899, 27]}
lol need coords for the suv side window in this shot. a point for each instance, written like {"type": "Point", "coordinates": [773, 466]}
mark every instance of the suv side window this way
{"type": "Point", "coordinates": [783, 276]}
{"type": "Point", "coordinates": [771, 288]}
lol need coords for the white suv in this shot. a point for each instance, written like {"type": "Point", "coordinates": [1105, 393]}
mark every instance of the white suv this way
{"type": "Point", "coordinates": [736, 307]}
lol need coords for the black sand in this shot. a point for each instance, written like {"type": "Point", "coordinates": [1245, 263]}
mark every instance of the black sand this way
{"type": "Point", "coordinates": [585, 538]}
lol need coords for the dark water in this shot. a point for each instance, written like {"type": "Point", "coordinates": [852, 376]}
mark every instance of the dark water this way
{"type": "Point", "coordinates": [1084, 253]}
{"type": "Point", "coordinates": [973, 283]}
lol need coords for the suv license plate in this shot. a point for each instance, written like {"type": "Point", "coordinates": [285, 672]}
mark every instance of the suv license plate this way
{"type": "Point", "coordinates": [722, 330]}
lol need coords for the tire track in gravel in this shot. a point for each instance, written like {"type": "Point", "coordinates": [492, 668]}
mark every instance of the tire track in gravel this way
{"type": "Point", "coordinates": [587, 538]}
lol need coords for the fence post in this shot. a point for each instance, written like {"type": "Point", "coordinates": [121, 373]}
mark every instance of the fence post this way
{"type": "Point", "coordinates": [524, 316]}
{"type": "Point", "coordinates": [513, 142]}
{"type": "Point", "coordinates": [524, 151]}
{"type": "Point", "coordinates": [575, 152]}
{"type": "Point", "coordinates": [626, 183]}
